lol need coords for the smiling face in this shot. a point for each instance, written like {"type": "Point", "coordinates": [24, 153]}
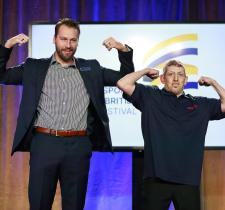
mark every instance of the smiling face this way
{"type": "Point", "coordinates": [66, 42]}
{"type": "Point", "coordinates": [174, 78]}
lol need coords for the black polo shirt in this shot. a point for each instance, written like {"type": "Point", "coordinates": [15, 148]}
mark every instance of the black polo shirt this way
{"type": "Point", "coordinates": [174, 130]}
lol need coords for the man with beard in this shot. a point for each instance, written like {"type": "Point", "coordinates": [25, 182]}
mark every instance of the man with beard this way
{"type": "Point", "coordinates": [174, 125]}
{"type": "Point", "coordinates": [62, 114]}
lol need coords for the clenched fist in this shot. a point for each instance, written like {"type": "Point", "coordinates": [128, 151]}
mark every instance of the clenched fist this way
{"type": "Point", "coordinates": [18, 39]}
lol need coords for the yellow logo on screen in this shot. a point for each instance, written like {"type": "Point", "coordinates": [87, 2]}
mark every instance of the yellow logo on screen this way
{"type": "Point", "coordinates": [173, 53]}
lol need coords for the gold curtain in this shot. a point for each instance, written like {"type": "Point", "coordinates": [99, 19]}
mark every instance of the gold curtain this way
{"type": "Point", "coordinates": [14, 171]}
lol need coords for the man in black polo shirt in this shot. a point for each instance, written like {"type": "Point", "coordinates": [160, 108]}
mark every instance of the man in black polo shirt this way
{"type": "Point", "coordinates": [174, 126]}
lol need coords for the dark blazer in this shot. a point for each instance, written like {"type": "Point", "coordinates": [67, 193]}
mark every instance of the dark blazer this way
{"type": "Point", "coordinates": [31, 75]}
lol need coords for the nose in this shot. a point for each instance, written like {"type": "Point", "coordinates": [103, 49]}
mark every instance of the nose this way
{"type": "Point", "coordinates": [175, 77]}
{"type": "Point", "coordinates": [68, 44]}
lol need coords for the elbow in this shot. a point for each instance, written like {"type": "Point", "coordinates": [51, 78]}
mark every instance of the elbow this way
{"type": "Point", "coordinates": [126, 88]}
{"type": "Point", "coordinates": [120, 84]}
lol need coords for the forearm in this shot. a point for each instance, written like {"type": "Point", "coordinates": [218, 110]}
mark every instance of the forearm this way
{"type": "Point", "coordinates": [221, 92]}
{"type": "Point", "coordinates": [127, 83]}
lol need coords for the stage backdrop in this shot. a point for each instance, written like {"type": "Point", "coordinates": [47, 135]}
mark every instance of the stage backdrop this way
{"type": "Point", "coordinates": [110, 175]}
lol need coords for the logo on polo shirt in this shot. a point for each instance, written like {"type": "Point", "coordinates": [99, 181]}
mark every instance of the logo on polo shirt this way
{"type": "Point", "coordinates": [179, 48]}
{"type": "Point", "coordinates": [192, 107]}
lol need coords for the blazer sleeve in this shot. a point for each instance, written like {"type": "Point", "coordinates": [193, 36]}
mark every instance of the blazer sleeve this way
{"type": "Point", "coordinates": [9, 76]}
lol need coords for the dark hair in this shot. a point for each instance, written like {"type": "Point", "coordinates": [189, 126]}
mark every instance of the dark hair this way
{"type": "Point", "coordinates": [173, 63]}
{"type": "Point", "coordinates": [67, 22]}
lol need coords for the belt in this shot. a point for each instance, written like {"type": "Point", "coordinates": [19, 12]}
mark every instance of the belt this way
{"type": "Point", "coordinates": [62, 133]}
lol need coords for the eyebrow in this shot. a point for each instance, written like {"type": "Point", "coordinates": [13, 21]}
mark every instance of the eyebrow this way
{"type": "Point", "coordinates": [176, 72]}
{"type": "Point", "coordinates": [64, 37]}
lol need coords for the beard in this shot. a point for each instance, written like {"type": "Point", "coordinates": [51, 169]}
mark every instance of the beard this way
{"type": "Point", "coordinates": [65, 54]}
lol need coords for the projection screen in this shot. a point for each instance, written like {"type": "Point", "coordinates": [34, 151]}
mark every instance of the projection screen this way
{"type": "Point", "coordinates": [200, 46]}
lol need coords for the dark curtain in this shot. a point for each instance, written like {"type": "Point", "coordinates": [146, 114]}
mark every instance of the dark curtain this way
{"type": "Point", "coordinates": [111, 169]}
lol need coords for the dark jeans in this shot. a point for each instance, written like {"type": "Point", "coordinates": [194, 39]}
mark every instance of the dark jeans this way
{"type": "Point", "coordinates": [158, 195]}
{"type": "Point", "coordinates": [66, 159]}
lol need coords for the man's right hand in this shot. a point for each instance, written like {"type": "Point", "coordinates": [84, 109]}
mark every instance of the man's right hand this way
{"type": "Point", "coordinates": [19, 39]}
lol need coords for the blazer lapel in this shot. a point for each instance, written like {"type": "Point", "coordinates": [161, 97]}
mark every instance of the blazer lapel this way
{"type": "Point", "coordinates": [42, 71]}
{"type": "Point", "coordinates": [85, 72]}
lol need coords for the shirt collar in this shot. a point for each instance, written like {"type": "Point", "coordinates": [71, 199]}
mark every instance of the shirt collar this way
{"type": "Point", "coordinates": [183, 95]}
{"type": "Point", "coordinates": [172, 94]}
{"type": "Point", "coordinates": [54, 61]}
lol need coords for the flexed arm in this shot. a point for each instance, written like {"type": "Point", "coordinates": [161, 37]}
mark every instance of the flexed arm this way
{"type": "Point", "coordinates": [127, 83]}
{"type": "Point", "coordinates": [126, 61]}
{"type": "Point", "coordinates": [11, 76]}
{"type": "Point", "coordinates": [125, 55]}
{"type": "Point", "coordinates": [207, 81]}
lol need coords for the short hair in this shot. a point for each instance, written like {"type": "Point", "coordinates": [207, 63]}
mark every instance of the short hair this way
{"type": "Point", "coordinates": [67, 22]}
{"type": "Point", "coordinates": [173, 63]}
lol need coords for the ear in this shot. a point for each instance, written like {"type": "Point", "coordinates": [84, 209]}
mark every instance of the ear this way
{"type": "Point", "coordinates": [162, 79]}
{"type": "Point", "coordinates": [53, 39]}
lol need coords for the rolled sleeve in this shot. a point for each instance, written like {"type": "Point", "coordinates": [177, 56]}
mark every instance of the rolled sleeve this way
{"type": "Point", "coordinates": [214, 106]}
